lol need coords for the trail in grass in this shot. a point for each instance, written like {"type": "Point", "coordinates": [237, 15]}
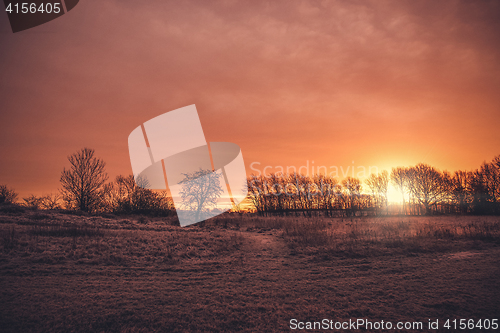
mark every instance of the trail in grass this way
{"type": "Point", "coordinates": [267, 247]}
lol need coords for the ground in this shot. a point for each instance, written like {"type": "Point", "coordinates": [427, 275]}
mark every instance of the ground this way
{"type": "Point", "coordinates": [112, 274]}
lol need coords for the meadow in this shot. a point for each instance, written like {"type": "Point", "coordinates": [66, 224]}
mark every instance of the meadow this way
{"type": "Point", "coordinates": [67, 272]}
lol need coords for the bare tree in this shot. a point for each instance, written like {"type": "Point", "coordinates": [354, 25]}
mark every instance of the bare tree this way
{"type": "Point", "coordinates": [83, 182]}
{"type": "Point", "coordinates": [490, 173]}
{"type": "Point", "coordinates": [383, 187]}
{"type": "Point", "coordinates": [200, 191]}
{"type": "Point", "coordinates": [399, 181]}
{"type": "Point", "coordinates": [353, 192]}
{"type": "Point", "coordinates": [256, 187]}
{"type": "Point", "coordinates": [328, 188]}
{"type": "Point", "coordinates": [495, 183]}
{"type": "Point", "coordinates": [447, 193]}
{"type": "Point", "coordinates": [378, 184]}
{"type": "Point", "coordinates": [486, 186]}
{"type": "Point", "coordinates": [462, 192]}
{"type": "Point", "coordinates": [51, 201]}
{"type": "Point", "coordinates": [7, 195]}
{"type": "Point", "coordinates": [47, 202]}
{"type": "Point", "coordinates": [427, 185]}
{"type": "Point", "coordinates": [33, 202]}
{"type": "Point", "coordinates": [129, 195]}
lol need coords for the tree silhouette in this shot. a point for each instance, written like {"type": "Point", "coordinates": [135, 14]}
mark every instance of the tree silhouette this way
{"type": "Point", "coordinates": [427, 185]}
{"type": "Point", "coordinates": [83, 182]}
{"type": "Point", "coordinates": [423, 188]}
{"type": "Point", "coordinates": [399, 181]}
{"type": "Point", "coordinates": [129, 195]}
{"type": "Point", "coordinates": [462, 192]}
{"type": "Point", "coordinates": [353, 192]}
{"type": "Point", "coordinates": [486, 187]}
{"type": "Point", "coordinates": [378, 184]}
{"type": "Point", "coordinates": [33, 201]}
{"type": "Point", "coordinates": [7, 195]}
{"type": "Point", "coordinates": [200, 191]}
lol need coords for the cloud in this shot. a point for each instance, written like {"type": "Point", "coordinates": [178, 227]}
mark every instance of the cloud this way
{"type": "Point", "coordinates": [285, 72]}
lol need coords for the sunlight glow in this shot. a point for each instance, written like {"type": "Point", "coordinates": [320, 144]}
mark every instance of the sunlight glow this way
{"type": "Point", "coordinates": [394, 196]}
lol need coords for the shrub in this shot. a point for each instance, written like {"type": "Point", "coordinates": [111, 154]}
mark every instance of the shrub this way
{"type": "Point", "coordinates": [33, 202]}
{"type": "Point", "coordinates": [7, 195]}
{"type": "Point", "coordinates": [51, 201]}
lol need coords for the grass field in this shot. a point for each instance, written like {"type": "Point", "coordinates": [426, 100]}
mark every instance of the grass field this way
{"type": "Point", "coordinates": [77, 273]}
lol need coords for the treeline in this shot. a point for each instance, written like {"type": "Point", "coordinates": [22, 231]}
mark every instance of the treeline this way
{"type": "Point", "coordinates": [123, 196]}
{"type": "Point", "coordinates": [424, 191]}
{"type": "Point", "coordinates": [85, 187]}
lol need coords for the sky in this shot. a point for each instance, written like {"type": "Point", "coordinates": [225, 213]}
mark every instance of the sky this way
{"type": "Point", "coordinates": [293, 83]}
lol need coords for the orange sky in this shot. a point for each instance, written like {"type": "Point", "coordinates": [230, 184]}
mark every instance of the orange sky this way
{"type": "Point", "coordinates": [380, 83]}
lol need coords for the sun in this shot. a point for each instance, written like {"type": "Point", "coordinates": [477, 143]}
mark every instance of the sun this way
{"type": "Point", "coordinates": [394, 196]}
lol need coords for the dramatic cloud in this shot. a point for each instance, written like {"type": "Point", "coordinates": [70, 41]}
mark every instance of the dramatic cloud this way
{"type": "Point", "coordinates": [376, 82]}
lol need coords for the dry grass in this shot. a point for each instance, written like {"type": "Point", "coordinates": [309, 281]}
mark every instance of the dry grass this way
{"type": "Point", "coordinates": [82, 273]}
{"type": "Point", "coordinates": [84, 244]}
{"type": "Point", "coordinates": [364, 237]}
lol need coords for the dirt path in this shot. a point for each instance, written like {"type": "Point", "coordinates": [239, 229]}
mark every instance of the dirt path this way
{"type": "Point", "coordinates": [266, 247]}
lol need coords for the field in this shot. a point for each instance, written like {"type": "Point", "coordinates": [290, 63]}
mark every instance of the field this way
{"type": "Point", "coordinates": [62, 272]}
